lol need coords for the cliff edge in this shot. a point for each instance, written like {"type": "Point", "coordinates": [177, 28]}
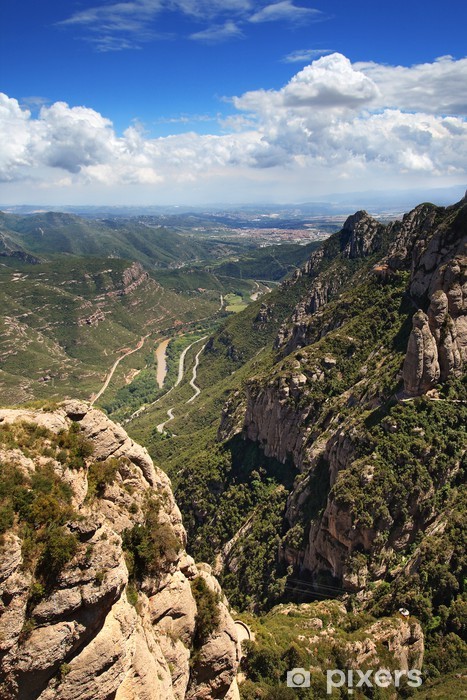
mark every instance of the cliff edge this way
{"type": "Point", "coordinates": [98, 597]}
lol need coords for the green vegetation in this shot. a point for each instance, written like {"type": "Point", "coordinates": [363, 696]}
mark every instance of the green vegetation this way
{"type": "Point", "coordinates": [235, 303]}
{"type": "Point", "coordinates": [128, 239]}
{"type": "Point", "coordinates": [317, 636]}
{"type": "Point", "coordinates": [65, 323]}
{"type": "Point", "coordinates": [101, 474]}
{"type": "Point", "coordinates": [235, 484]}
{"type": "Point", "coordinates": [207, 611]}
{"type": "Point", "coordinates": [271, 263]}
{"type": "Point", "coordinates": [149, 546]}
{"type": "Point", "coordinates": [38, 504]}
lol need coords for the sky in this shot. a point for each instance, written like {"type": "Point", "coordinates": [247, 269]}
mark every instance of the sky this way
{"type": "Point", "coordinates": [158, 102]}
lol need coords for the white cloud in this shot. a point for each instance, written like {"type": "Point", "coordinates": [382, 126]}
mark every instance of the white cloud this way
{"type": "Point", "coordinates": [285, 10]}
{"type": "Point", "coordinates": [305, 55]}
{"type": "Point", "coordinates": [127, 25]}
{"type": "Point", "coordinates": [218, 33]}
{"type": "Point", "coordinates": [436, 88]}
{"type": "Point", "coordinates": [203, 9]}
{"type": "Point", "coordinates": [332, 122]}
{"type": "Point", "coordinates": [15, 137]}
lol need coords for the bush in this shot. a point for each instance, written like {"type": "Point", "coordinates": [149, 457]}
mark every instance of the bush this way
{"type": "Point", "coordinates": [207, 611]}
{"type": "Point", "coordinates": [100, 474]}
{"type": "Point", "coordinates": [76, 445]}
{"type": "Point", "coordinates": [263, 664]}
{"type": "Point", "coordinates": [59, 547]}
{"type": "Point", "coordinates": [151, 545]}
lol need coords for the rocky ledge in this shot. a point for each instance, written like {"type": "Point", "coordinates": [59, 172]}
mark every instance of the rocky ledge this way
{"type": "Point", "coordinates": [96, 629]}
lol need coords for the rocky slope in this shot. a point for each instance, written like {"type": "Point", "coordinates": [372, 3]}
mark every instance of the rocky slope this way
{"type": "Point", "coordinates": [329, 404]}
{"type": "Point", "coordinates": [98, 598]}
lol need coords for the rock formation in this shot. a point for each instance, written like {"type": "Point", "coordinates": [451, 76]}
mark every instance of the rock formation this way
{"type": "Point", "coordinates": [438, 343]}
{"type": "Point", "coordinates": [96, 633]}
{"type": "Point", "coordinates": [360, 237]}
{"type": "Point", "coordinates": [298, 410]}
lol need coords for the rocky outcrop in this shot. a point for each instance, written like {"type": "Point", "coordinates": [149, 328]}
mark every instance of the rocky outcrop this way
{"type": "Point", "coordinates": [273, 420]}
{"type": "Point", "coordinates": [93, 319]}
{"type": "Point", "coordinates": [132, 278]}
{"type": "Point", "coordinates": [437, 346]}
{"type": "Point", "coordinates": [10, 249]}
{"type": "Point", "coordinates": [95, 633]}
{"type": "Point", "coordinates": [421, 365]}
{"type": "Point", "coordinates": [360, 237]}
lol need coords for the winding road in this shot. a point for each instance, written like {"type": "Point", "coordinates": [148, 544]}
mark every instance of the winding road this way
{"type": "Point", "coordinates": [114, 367]}
{"type": "Point", "coordinates": [197, 390]}
{"type": "Point", "coordinates": [195, 371]}
{"type": "Point", "coordinates": [161, 426]}
{"type": "Point", "coordinates": [181, 374]}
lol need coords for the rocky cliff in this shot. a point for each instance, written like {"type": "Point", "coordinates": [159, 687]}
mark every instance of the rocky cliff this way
{"type": "Point", "coordinates": [370, 466]}
{"type": "Point", "coordinates": [98, 598]}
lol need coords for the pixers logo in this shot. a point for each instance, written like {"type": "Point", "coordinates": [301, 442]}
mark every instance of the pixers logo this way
{"type": "Point", "coordinates": [382, 678]}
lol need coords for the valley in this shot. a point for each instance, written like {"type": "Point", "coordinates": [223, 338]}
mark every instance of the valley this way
{"type": "Point", "coordinates": [310, 413]}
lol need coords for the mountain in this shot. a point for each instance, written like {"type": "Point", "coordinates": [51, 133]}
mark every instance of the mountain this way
{"type": "Point", "coordinates": [52, 233]}
{"type": "Point", "coordinates": [317, 450]}
{"type": "Point", "coordinates": [338, 466]}
{"type": "Point", "coordinates": [99, 597]}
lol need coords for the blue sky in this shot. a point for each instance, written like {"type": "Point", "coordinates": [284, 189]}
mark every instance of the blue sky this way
{"type": "Point", "coordinates": [178, 101]}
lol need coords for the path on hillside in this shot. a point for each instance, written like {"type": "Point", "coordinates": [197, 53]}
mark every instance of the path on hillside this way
{"type": "Point", "coordinates": [408, 399]}
{"type": "Point", "coordinates": [161, 426]}
{"type": "Point", "coordinates": [195, 371]}
{"type": "Point", "coordinates": [114, 367]}
{"type": "Point", "coordinates": [170, 412]}
{"type": "Point", "coordinates": [181, 368]}
{"type": "Point", "coordinates": [255, 294]}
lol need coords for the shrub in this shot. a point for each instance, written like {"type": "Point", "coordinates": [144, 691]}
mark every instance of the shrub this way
{"type": "Point", "coordinates": [6, 517]}
{"type": "Point", "coordinates": [59, 547]}
{"type": "Point", "coordinates": [64, 670]}
{"type": "Point", "coordinates": [100, 474]}
{"type": "Point", "coordinates": [150, 545]}
{"type": "Point", "coordinates": [263, 663]}
{"type": "Point", "coordinates": [207, 611]}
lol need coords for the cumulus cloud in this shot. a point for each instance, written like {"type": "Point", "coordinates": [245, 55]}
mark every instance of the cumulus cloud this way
{"type": "Point", "coordinates": [436, 88]}
{"type": "Point", "coordinates": [333, 120]}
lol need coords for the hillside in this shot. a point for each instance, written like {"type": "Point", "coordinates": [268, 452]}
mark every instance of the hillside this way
{"type": "Point", "coordinates": [54, 233]}
{"type": "Point", "coordinates": [337, 468]}
{"type": "Point", "coordinates": [78, 294]}
{"type": "Point", "coordinates": [64, 323]}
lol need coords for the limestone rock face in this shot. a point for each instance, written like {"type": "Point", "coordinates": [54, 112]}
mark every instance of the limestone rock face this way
{"type": "Point", "coordinates": [437, 346]}
{"type": "Point", "coordinates": [361, 233]}
{"type": "Point", "coordinates": [87, 638]}
{"type": "Point", "coordinates": [273, 421]}
{"type": "Point", "coordinates": [289, 414]}
{"type": "Point", "coordinates": [421, 365]}
{"type": "Point", "coordinates": [360, 237]}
